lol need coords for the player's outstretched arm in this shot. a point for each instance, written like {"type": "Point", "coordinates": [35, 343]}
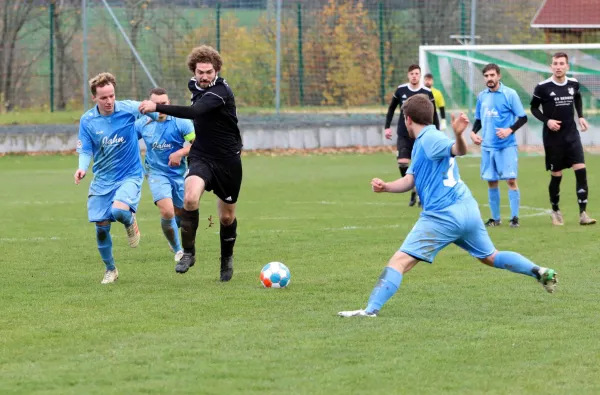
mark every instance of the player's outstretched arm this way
{"type": "Point", "coordinates": [401, 185]}
{"type": "Point", "coordinates": [459, 124]}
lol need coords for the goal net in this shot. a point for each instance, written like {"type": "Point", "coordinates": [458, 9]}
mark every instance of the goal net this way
{"type": "Point", "coordinates": [457, 74]}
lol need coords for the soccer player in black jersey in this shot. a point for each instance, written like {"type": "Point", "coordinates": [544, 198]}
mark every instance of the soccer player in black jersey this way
{"type": "Point", "coordinates": [558, 95]}
{"type": "Point", "coordinates": [405, 142]}
{"type": "Point", "coordinates": [215, 156]}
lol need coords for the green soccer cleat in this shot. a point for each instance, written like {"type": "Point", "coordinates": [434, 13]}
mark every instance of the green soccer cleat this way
{"type": "Point", "coordinates": [548, 279]}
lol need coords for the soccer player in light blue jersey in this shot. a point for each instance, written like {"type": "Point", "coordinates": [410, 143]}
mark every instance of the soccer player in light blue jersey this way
{"type": "Point", "coordinates": [450, 213]}
{"type": "Point", "coordinates": [499, 113]}
{"type": "Point", "coordinates": [107, 135]}
{"type": "Point", "coordinates": [165, 150]}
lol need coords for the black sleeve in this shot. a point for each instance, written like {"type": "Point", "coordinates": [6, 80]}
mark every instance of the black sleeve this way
{"type": "Point", "coordinates": [518, 123]}
{"type": "Point", "coordinates": [208, 102]}
{"type": "Point", "coordinates": [443, 112]}
{"type": "Point", "coordinates": [391, 110]}
{"type": "Point", "coordinates": [477, 126]}
{"type": "Point", "coordinates": [535, 110]}
{"type": "Point", "coordinates": [578, 104]}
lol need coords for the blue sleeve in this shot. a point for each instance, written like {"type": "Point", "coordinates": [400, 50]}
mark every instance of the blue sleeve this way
{"type": "Point", "coordinates": [437, 146]}
{"type": "Point", "coordinates": [133, 107]}
{"type": "Point", "coordinates": [186, 127]}
{"type": "Point", "coordinates": [515, 105]}
{"type": "Point", "coordinates": [84, 141]}
{"type": "Point", "coordinates": [84, 161]}
{"type": "Point", "coordinates": [139, 126]}
{"type": "Point", "coordinates": [478, 107]}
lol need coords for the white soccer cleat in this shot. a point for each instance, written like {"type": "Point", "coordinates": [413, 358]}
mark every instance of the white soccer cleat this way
{"type": "Point", "coordinates": [110, 276]}
{"type": "Point", "coordinates": [557, 218]}
{"type": "Point", "coordinates": [584, 219]}
{"type": "Point", "coordinates": [133, 233]}
{"type": "Point", "coordinates": [178, 256]}
{"type": "Point", "coordinates": [356, 313]}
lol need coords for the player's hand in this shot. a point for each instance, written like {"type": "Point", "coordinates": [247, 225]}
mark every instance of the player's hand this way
{"type": "Point", "coordinates": [554, 125]}
{"type": "Point", "coordinates": [147, 106]}
{"type": "Point", "coordinates": [477, 140]}
{"type": "Point", "coordinates": [79, 174]}
{"type": "Point", "coordinates": [584, 124]}
{"type": "Point", "coordinates": [378, 185]}
{"type": "Point", "coordinates": [174, 159]}
{"type": "Point", "coordinates": [388, 133]}
{"type": "Point", "coordinates": [443, 124]}
{"type": "Point", "coordinates": [460, 123]}
{"type": "Point", "coordinates": [503, 132]}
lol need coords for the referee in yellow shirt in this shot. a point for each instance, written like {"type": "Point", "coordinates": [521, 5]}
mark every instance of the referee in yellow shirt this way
{"type": "Point", "coordinates": [439, 100]}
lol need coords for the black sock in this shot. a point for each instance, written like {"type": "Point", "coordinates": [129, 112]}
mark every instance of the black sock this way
{"type": "Point", "coordinates": [189, 226]}
{"type": "Point", "coordinates": [582, 188]}
{"type": "Point", "coordinates": [228, 233]}
{"type": "Point", "coordinates": [403, 168]}
{"type": "Point", "coordinates": [554, 190]}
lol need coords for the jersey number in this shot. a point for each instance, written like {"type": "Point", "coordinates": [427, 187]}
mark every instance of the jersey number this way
{"type": "Point", "coordinates": [449, 181]}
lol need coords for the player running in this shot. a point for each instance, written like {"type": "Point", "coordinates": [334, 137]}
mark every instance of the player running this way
{"type": "Point", "coordinates": [450, 213]}
{"type": "Point", "coordinates": [107, 135]}
{"type": "Point", "coordinates": [165, 150]}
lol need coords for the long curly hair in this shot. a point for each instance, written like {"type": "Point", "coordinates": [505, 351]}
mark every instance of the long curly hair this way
{"type": "Point", "coordinates": [204, 54]}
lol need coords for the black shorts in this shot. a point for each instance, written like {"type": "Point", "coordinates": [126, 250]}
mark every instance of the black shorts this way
{"type": "Point", "coordinates": [564, 156]}
{"type": "Point", "coordinates": [222, 176]}
{"type": "Point", "coordinates": [405, 146]}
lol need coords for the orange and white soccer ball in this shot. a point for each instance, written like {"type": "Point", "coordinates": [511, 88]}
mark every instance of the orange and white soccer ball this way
{"type": "Point", "coordinates": [275, 275]}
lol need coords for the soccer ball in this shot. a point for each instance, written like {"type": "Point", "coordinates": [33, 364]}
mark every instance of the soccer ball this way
{"type": "Point", "coordinates": [275, 275]}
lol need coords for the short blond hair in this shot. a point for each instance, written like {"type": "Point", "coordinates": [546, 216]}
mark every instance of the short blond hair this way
{"type": "Point", "coordinates": [101, 80]}
{"type": "Point", "coordinates": [204, 54]}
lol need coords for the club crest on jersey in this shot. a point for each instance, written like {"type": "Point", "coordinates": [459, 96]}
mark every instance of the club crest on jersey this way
{"type": "Point", "coordinates": [571, 91]}
{"type": "Point", "coordinates": [114, 140]}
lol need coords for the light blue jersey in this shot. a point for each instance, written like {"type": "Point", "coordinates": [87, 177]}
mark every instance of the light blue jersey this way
{"type": "Point", "coordinates": [436, 174]}
{"type": "Point", "coordinates": [162, 139]}
{"type": "Point", "coordinates": [498, 109]}
{"type": "Point", "coordinates": [450, 213]}
{"type": "Point", "coordinates": [113, 143]}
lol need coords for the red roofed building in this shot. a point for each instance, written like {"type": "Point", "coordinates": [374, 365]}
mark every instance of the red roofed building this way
{"type": "Point", "coordinates": [569, 18]}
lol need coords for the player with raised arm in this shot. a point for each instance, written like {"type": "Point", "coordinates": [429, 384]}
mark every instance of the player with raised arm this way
{"type": "Point", "coordinates": [562, 144]}
{"type": "Point", "coordinates": [440, 103]}
{"type": "Point", "coordinates": [214, 160]}
{"type": "Point", "coordinates": [499, 114]}
{"type": "Point", "coordinates": [450, 213]}
{"type": "Point", "coordinates": [107, 135]}
{"type": "Point", "coordinates": [405, 142]}
{"type": "Point", "coordinates": [165, 140]}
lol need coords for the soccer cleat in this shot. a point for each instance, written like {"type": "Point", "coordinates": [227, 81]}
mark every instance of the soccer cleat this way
{"type": "Point", "coordinates": [413, 199]}
{"type": "Point", "coordinates": [492, 222]}
{"type": "Point", "coordinates": [557, 218]}
{"type": "Point", "coordinates": [133, 233]}
{"type": "Point", "coordinates": [356, 313]}
{"type": "Point", "coordinates": [226, 268]}
{"type": "Point", "coordinates": [514, 222]}
{"type": "Point", "coordinates": [178, 256]}
{"type": "Point", "coordinates": [548, 279]}
{"type": "Point", "coordinates": [584, 219]}
{"type": "Point", "coordinates": [110, 276]}
{"type": "Point", "coordinates": [187, 260]}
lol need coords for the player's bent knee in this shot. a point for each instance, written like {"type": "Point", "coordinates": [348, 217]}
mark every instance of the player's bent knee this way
{"type": "Point", "coordinates": [165, 206]}
{"type": "Point", "coordinates": [578, 166]}
{"type": "Point", "coordinates": [512, 183]}
{"type": "Point", "coordinates": [402, 262]}
{"type": "Point", "coordinates": [489, 260]}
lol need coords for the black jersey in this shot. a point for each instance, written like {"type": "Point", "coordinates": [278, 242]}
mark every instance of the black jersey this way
{"type": "Point", "coordinates": [215, 120]}
{"type": "Point", "coordinates": [557, 101]}
{"type": "Point", "coordinates": [400, 96]}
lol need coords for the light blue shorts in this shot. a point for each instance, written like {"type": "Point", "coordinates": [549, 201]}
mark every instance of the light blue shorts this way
{"type": "Point", "coordinates": [460, 224]}
{"type": "Point", "coordinates": [163, 187]}
{"type": "Point", "coordinates": [500, 164]}
{"type": "Point", "coordinates": [129, 191]}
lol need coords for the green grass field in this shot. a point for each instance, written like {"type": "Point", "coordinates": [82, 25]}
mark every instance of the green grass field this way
{"type": "Point", "coordinates": [455, 327]}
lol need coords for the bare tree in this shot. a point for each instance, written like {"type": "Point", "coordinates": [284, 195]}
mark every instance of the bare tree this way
{"type": "Point", "coordinates": [13, 17]}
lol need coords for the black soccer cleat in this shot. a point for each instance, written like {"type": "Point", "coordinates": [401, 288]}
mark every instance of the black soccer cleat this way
{"type": "Point", "coordinates": [492, 222]}
{"type": "Point", "coordinates": [226, 268]}
{"type": "Point", "coordinates": [514, 222]}
{"type": "Point", "coordinates": [184, 264]}
{"type": "Point", "coordinates": [413, 199]}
